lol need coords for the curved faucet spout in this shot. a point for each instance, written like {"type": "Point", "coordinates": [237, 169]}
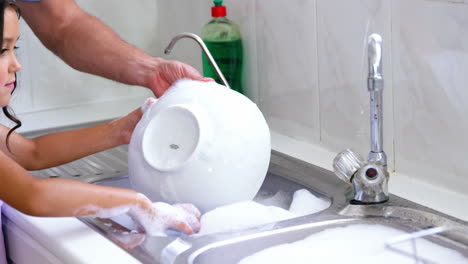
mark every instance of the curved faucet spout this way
{"type": "Point", "coordinates": [374, 49]}
{"type": "Point", "coordinates": [375, 85]}
{"type": "Point", "coordinates": [203, 47]}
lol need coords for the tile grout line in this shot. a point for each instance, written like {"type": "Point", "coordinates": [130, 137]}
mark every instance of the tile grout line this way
{"type": "Point", "coordinates": [318, 73]}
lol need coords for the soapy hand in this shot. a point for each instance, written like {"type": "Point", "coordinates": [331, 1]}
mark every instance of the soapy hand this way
{"type": "Point", "coordinates": [162, 216]}
{"type": "Point", "coordinates": [167, 72]}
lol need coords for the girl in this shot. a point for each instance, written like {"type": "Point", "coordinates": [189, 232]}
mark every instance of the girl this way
{"type": "Point", "coordinates": [38, 197]}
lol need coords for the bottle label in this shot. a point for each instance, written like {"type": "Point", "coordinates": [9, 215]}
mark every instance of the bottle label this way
{"type": "Point", "coordinates": [229, 57]}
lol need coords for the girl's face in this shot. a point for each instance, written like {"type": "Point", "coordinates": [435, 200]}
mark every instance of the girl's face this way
{"type": "Point", "coordinates": [9, 65]}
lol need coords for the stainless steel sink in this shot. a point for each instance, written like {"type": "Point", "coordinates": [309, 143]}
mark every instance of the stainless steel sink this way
{"type": "Point", "coordinates": [164, 249]}
{"type": "Point", "coordinates": [232, 250]}
{"type": "Point", "coordinates": [286, 174]}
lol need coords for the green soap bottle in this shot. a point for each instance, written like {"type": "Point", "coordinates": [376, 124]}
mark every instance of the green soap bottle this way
{"type": "Point", "coordinates": [222, 37]}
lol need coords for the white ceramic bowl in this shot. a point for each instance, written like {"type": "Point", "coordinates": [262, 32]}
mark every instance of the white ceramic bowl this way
{"type": "Point", "coordinates": [200, 143]}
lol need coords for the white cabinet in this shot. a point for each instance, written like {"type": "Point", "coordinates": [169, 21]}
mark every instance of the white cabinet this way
{"type": "Point", "coordinates": [22, 248]}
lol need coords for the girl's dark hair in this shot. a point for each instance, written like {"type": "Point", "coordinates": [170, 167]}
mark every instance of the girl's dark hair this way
{"type": "Point", "coordinates": [5, 109]}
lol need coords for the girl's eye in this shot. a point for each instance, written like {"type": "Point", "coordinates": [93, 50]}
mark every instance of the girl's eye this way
{"type": "Point", "coordinates": [5, 50]}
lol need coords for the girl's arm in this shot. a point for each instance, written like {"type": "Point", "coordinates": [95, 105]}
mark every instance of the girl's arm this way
{"type": "Point", "coordinates": [59, 148]}
{"type": "Point", "coordinates": [56, 197]}
{"type": "Point", "coordinates": [62, 197]}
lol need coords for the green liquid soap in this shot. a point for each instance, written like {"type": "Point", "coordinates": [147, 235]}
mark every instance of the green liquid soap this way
{"type": "Point", "coordinates": [222, 38]}
{"type": "Point", "coordinates": [228, 56]}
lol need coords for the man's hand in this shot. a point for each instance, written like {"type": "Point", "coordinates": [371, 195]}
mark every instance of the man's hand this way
{"type": "Point", "coordinates": [166, 72]}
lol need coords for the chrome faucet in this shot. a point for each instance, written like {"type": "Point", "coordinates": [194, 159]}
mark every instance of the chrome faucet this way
{"type": "Point", "coordinates": [203, 47]}
{"type": "Point", "coordinates": [375, 86]}
{"type": "Point", "coordinates": [369, 179]}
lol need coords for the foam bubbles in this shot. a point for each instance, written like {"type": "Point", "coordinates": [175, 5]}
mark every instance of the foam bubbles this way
{"type": "Point", "coordinates": [103, 212]}
{"type": "Point", "coordinates": [364, 244]}
{"type": "Point", "coordinates": [239, 216]}
{"type": "Point", "coordinates": [268, 209]}
{"type": "Point", "coordinates": [305, 203]}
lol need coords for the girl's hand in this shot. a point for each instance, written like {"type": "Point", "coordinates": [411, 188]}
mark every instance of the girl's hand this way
{"type": "Point", "coordinates": [157, 217]}
{"type": "Point", "coordinates": [124, 126]}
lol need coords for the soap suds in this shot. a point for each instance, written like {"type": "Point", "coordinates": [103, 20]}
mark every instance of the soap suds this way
{"type": "Point", "coordinates": [363, 244]}
{"type": "Point", "coordinates": [240, 216]}
{"type": "Point", "coordinates": [268, 209]}
{"type": "Point", "coordinates": [103, 212]}
{"type": "Point", "coordinates": [305, 203]}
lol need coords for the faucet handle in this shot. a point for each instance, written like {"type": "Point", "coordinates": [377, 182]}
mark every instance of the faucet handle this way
{"type": "Point", "coordinates": [346, 164]}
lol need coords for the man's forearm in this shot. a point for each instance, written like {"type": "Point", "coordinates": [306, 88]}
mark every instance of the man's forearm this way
{"type": "Point", "coordinates": [93, 47]}
{"type": "Point", "coordinates": [85, 43]}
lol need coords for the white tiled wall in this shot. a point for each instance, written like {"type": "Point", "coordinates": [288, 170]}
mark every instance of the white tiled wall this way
{"type": "Point", "coordinates": [307, 70]}
{"type": "Point", "coordinates": [287, 67]}
{"type": "Point", "coordinates": [430, 61]}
